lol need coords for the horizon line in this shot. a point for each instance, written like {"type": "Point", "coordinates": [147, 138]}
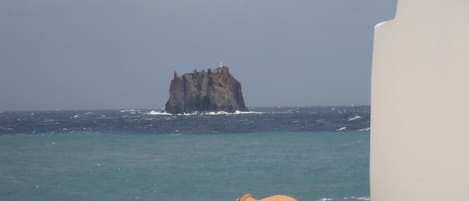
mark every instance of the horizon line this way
{"type": "Point", "coordinates": [161, 109]}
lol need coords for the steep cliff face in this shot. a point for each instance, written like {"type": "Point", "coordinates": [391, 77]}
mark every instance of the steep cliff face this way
{"type": "Point", "coordinates": [215, 90]}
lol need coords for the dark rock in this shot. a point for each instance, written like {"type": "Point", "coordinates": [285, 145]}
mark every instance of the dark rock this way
{"type": "Point", "coordinates": [215, 90]}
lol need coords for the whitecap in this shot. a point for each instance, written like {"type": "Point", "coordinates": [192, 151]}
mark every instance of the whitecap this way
{"type": "Point", "coordinates": [188, 114]}
{"type": "Point", "coordinates": [342, 129]}
{"type": "Point", "coordinates": [237, 112]}
{"type": "Point", "coordinates": [153, 112]}
{"type": "Point", "coordinates": [364, 129]}
{"type": "Point", "coordinates": [354, 118]}
{"type": "Point", "coordinates": [131, 111]}
{"type": "Point", "coordinates": [217, 113]}
{"type": "Point", "coordinates": [247, 112]}
{"type": "Point", "coordinates": [128, 110]}
{"type": "Point", "coordinates": [357, 199]}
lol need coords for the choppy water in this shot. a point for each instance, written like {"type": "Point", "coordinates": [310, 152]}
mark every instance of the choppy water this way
{"type": "Point", "coordinates": [152, 122]}
{"type": "Point", "coordinates": [113, 160]}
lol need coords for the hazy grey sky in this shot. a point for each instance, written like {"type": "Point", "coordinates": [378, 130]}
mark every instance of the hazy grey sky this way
{"type": "Point", "coordinates": [88, 54]}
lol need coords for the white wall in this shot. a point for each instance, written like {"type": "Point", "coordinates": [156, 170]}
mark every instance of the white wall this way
{"type": "Point", "coordinates": [420, 103]}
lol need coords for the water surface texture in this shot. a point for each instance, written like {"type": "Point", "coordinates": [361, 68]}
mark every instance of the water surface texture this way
{"type": "Point", "coordinates": [146, 121]}
{"type": "Point", "coordinates": [176, 167]}
{"type": "Point", "coordinates": [317, 153]}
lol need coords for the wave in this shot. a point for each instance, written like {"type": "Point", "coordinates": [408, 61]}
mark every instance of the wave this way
{"type": "Point", "coordinates": [156, 120]}
{"type": "Point", "coordinates": [237, 112]}
{"type": "Point", "coordinates": [217, 113]}
{"type": "Point", "coordinates": [346, 199]}
{"type": "Point", "coordinates": [341, 129]}
{"type": "Point", "coordinates": [188, 114]}
{"type": "Point", "coordinates": [196, 113]}
{"type": "Point", "coordinates": [153, 112]}
{"type": "Point", "coordinates": [131, 111]}
{"type": "Point", "coordinates": [364, 129]}
{"type": "Point", "coordinates": [128, 110]}
{"type": "Point", "coordinates": [356, 117]}
{"type": "Point", "coordinates": [247, 112]}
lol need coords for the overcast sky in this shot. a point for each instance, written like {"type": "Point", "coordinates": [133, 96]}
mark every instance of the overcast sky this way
{"type": "Point", "coordinates": [102, 54]}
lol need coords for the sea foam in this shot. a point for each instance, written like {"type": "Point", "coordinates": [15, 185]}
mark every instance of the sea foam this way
{"type": "Point", "coordinates": [153, 112]}
{"type": "Point", "coordinates": [356, 117]}
{"type": "Point", "coordinates": [364, 129]}
{"type": "Point", "coordinates": [237, 112]}
{"type": "Point", "coordinates": [341, 129]}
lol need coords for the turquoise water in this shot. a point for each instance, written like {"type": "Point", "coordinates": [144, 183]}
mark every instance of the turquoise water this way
{"type": "Point", "coordinates": [181, 167]}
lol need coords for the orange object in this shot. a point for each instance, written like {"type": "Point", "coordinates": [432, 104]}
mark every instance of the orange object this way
{"type": "Point", "coordinates": [248, 197]}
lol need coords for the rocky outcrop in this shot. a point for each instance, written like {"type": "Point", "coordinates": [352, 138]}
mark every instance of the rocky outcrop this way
{"type": "Point", "coordinates": [215, 90]}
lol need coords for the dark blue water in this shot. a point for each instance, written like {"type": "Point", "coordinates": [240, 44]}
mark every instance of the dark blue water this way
{"type": "Point", "coordinates": [132, 155]}
{"type": "Point", "coordinates": [151, 122]}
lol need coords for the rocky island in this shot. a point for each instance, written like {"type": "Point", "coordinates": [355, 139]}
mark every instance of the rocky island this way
{"type": "Point", "coordinates": [210, 91]}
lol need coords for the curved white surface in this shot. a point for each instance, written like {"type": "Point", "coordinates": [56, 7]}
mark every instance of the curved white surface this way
{"type": "Point", "coordinates": [420, 103]}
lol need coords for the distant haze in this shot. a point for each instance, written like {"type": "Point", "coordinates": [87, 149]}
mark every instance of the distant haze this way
{"type": "Point", "coordinates": [99, 54]}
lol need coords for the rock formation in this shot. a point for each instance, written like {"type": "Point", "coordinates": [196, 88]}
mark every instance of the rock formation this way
{"type": "Point", "coordinates": [215, 90]}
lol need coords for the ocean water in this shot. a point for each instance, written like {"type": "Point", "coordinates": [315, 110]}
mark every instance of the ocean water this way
{"type": "Point", "coordinates": [40, 160]}
{"type": "Point", "coordinates": [293, 119]}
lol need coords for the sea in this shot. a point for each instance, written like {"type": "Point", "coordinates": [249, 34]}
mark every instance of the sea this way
{"type": "Point", "coordinates": [309, 153]}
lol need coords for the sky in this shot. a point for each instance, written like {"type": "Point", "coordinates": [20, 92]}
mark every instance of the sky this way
{"type": "Point", "coordinates": [111, 54]}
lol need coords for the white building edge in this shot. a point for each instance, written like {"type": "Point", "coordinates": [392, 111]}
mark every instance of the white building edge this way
{"type": "Point", "coordinates": [420, 103]}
